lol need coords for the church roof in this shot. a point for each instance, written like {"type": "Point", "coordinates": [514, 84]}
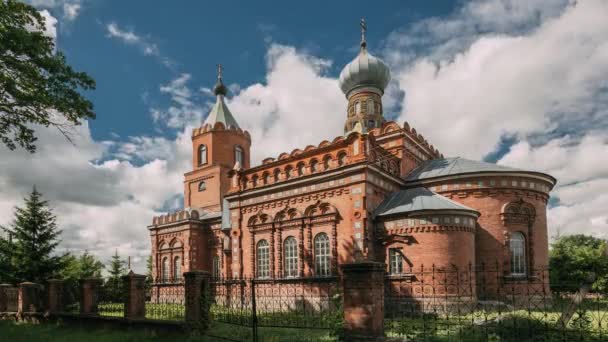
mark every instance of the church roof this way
{"type": "Point", "coordinates": [417, 199]}
{"type": "Point", "coordinates": [221, 113]}
{"type": "Point", "coordinates": [455, 166]}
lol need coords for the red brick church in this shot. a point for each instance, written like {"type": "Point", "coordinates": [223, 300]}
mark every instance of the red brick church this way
{"type": "Point", "coordinates": [378, 192]}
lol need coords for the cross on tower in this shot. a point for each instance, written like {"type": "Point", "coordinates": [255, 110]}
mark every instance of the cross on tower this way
{"type": "Point", "coordinates": [219, 71]}
{"type": "Point", "coordinates": [363, 30]}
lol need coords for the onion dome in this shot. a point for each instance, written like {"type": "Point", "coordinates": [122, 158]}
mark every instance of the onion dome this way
{"type": "Point", "coordinates": [365, 70]}
{"type": "Point", "coordinates": [220, 111]}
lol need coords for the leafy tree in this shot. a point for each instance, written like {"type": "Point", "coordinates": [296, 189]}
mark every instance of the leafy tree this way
{"type": "Point", "coordinates": [37, 86]}
{"type": "Point", "coordinates": [35, 236]}
{"type": "Point", "coordinates": [576, 259]}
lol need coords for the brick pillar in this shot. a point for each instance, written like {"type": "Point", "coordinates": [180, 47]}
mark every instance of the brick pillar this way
{"type": "Point", "coordinates": [89, 290]}
{"type": "Point", "coordinates": [30, 297]}
{"type": "Point", "coordinates": [135, 303]}
{"type": "Point", "coordinates": [4, 288]}
{"type": "Point", "coordinates": [55, 296]}
{"type": "Point", "coordinates": [197, 286]}
{"type": "Point", "coordinates": [363, 284]}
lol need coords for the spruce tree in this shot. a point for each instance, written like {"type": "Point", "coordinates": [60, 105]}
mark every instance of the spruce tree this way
{"type": "Point", "coordinates": [116, 270]}
{"type": "Point", "coordinates": [34, 237]}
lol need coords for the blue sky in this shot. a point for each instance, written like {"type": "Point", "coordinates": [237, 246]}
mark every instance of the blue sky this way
{"type": "Point", "coordinates": [196, 36]}
{"type": "Point", "coordinates": [517, 82]}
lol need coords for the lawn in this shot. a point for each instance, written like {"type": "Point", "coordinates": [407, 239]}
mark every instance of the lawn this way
{"type": "Point", "coordinates": [18, 332]}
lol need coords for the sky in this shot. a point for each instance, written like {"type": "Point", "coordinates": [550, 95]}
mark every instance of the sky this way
{"type": "Point", "coordinates": [520, 83]}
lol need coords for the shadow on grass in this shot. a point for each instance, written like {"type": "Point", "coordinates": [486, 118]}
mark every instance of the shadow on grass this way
{"type": "Point", "coordinates": [512, 328]}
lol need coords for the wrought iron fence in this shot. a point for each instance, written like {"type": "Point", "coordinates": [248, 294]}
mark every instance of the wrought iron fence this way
{"type": "Point", "coordinates": [166, 301]}
{"type": "Point", "coordinates": [298, 303]}
{"type": "Point", "coordinates": [71, 296]}
{"type": "Point", "coordinates": [111, 299]}
{"type": "Point", "coordinates": [486, 303]}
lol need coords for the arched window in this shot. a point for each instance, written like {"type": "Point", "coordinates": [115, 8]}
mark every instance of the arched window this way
{"type": "Point", "coordinates": [202, 155]}
{"type": "Point", "coordinates": [326, 162]}
{"type": "Point", "coordinates": [313, 166]}
{"type": "Point", "coordinates": [238, 155]}
{"type": "Point", "coordinates": [517, 245]}
{"type": "Point", "coordinates": [370, 107]}
{"type": "Point", "coordinates": [263, 259]}
{"type": "Point", "coordinates": [396, 261]}
{"type": "Point", "coordinates": [266, 178]}
{"type": "Point", "coordinates": [342, 159]}
{"type": "Point", "coordinates": [291, 257]}
{"type": "Point", "coordinates": [322, 255]}
{"type": "Point", "coordinates": [254, 181]}
{"type": "Point", "coordinates": [358, 108]}
{"type": "Point", "coordinates": [164, 270]}
{"type": "Point", "coordinates": [288, 172]}
{"type": "Point", "coordinates": [276, 175]}
{"type": "Point", "coordinates": [202, 186]}
{"type": "Point", "coordinates": [177, 268]}
{"type": "Point", "coordinates": [301, 169]}
{"type": "Point", "coordinates": [216, 267]}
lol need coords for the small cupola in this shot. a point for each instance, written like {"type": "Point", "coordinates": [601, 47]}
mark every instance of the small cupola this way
{"type": "Point", "coordinates": [220, 111]}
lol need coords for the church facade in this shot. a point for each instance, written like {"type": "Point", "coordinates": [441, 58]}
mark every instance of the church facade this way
{"type": "Point", "coordinates": [378, 192]}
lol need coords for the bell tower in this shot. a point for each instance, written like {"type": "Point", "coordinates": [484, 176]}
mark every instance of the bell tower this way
{"type": "Point", "coordinates": [217, 146]}
{"type": "Point", "coordinates": [363, 81]}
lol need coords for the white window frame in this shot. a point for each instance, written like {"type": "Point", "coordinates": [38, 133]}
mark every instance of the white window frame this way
{"type": "Point", "coordinates": [517, 247]}
{"type": "Point", "coordinates": [164, 270]}
{"type": "Point", "coordinates": [202, 154]}
{"type": "Point", "coordinates": [177, 268]}
{"type": "Point", "coordinates": [322, 255]}
{"type": "Point", "coordinates": [263, 259]}
{"type": "Point", "coordinates": [239, 155]}
{"type": "Point", "coordinates": [290, 251]}
{"type": "Point", "coordinates": [395, 261]}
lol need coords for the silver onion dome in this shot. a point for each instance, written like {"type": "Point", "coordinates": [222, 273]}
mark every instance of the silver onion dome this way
{"type": "Point", "coordinates": [365, 70]}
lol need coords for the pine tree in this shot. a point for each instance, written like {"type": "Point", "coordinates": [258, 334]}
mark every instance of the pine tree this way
{"type": "Point", "coordinates": [116, 270]}
{"type": "Point", "coordinates": [34, 237]}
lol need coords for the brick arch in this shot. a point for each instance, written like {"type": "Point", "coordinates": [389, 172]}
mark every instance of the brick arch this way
{"type": "Point", "coordinates": [320, 208]}
{"type": "Point", "coordinates": [176, 243]}
{"type": "Point", "coordinates": [518, 212]}
{"type": "Point", "coordinates": [288, 213]}
{"type": "Point", "coordinates": [259, 218]}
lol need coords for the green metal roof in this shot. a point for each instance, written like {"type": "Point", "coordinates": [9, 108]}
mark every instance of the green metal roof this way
{"type": "Point", "coordinates": [417, 199]}
{"type": "Point", "coordinates": [221, 113]}
{"type": "Point", "coordinates": [455, 166]}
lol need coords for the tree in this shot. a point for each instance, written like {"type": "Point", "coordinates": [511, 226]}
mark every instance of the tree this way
{"type": "Point", "coordinates": [116, 270]}
{"type": "Point", "coordinates": [34, 234]}
{"type": "Point", "coordinates": [37, 86]}
{"type": "Point", "coordinates": [576, 259]}
{"type": "Point", "coordinates": [80, 267]}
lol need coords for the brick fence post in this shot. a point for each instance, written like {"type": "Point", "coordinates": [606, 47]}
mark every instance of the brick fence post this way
{"type": "Point", "coordinates": [89, 295]}
{"type": "Point", "coordinates": [55, 299]}
{"type": "Point", "coordinates": [197, 293]}
{"type": "Point", "coordinates": [363, 284]}
{"type": "Point", "coordinates": [135, 289]}
{"type": "Point", "coordinates": [4, 288]}
{"type": "Point", "coordinates": [30, 297]}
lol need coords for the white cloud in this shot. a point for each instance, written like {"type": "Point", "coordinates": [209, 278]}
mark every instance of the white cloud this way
{"type": "Point", "coordinates": [297, 97]}
{"type": "Point", "coordinates": [532, 70]}
{"type": "Point", "coordinates": [71, 8]}
{"type": "Point", "coordinates": [513, 84]}
{"type": "Point", "coordinates": [100, 206]}
{"type": "Point", "coordinates": [582, 172]}
{"type": "Point", "coordinates": [50, 24]}
{"type": "Point", "coordinates": [128, 36]}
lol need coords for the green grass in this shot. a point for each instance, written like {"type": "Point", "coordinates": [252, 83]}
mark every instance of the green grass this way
{"type": "Point", "coordinates": [165, 311]}
{"type": "Point", "coordinates": [22, 332]}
